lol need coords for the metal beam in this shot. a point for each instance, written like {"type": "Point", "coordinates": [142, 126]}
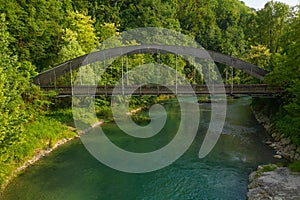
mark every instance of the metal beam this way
{"type": "Point", "coordinates": [46, 77]}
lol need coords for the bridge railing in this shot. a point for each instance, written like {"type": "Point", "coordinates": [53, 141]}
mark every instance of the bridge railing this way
{"type": "Point", "coordinates": [92, 90]}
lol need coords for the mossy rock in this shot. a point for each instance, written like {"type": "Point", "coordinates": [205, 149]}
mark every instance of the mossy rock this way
{"type": "Point", "coordinates": [265, 168]}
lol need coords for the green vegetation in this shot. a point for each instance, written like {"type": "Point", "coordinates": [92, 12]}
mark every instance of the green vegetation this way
{"type": "Point", "coordinates": [295, 167]}
{"type": "Point", "coordinates": [269, 168]}
{"type": "Point", "coordinates": [281, 37]}
{"type": "Point", "coordinates": [37, 135]}
{"type": "Point", "coordinates": [285, 74]}
{"type": "Point", "coordinates": [44, 132]}
{"type": "Point", "coordinates": [62, 115]}
{"type": "Point", "coordinates": [265, 168]}
{"type": "Point", "coordinates": [37, 35]}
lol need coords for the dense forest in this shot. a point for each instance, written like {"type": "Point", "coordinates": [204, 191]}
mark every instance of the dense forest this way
{"type": "Point", "coordinates": [36, 35]}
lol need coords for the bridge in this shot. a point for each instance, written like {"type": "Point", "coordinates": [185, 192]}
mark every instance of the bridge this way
{"type": "Point", "coordinates": [44, 79]}
{"type": "Point", "coordinates": [92, 90]}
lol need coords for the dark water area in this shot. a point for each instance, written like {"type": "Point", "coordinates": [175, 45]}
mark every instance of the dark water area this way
{"type": "Point", "coordinates": [71, 173]}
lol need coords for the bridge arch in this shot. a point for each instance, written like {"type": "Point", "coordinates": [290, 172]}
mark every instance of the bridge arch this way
{"type": "Point", "coordinates": [51, 75]}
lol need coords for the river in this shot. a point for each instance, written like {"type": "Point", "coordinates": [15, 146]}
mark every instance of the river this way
{"type": "Point", "coordinates": [71, 173]}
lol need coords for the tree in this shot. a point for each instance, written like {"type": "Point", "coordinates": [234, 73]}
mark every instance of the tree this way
{"type": "Point", "coordinates": [198, 19]}
{"type": "Point", "coordinates": [258, 55]}
{"type": "Point", "coordinates": [232, 18]}
{"type": "Point", "coordinates": [12, 106]}
{"type": "Point", "coordinates": [106, 30]}
{"type": "Point", "coordinates": [83, 25]}
{"type": "Point", "coordinates": [19, 101]}
{"type": "Point", "coordinates": [149, 13]}
{"type": "Point", "coordinates": [272, 22]}
{"type": "Point", "coordinates": [34, 28]}
{"type": "Point", "coordinates": [287, 76]}
{"type": "Point", "coordinates": [71, 47]}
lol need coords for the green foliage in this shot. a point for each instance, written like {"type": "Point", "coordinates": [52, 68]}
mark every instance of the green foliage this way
{"type": "Point", "coordinates": [35, 35]}
{"type": "Point", "coordinates": [265, 168]}
{"type": "Point", "coordinates": [149, 13]}
{"type": "Point", "coordinates": [12, 106]}
{"type": "Point", "coordinates": [85, 34]}
{"type": "Point", "coordinates": [136, 102]}
{"type": "Point", "coordinates": [39, 134]}
{"type": "Point", "coordinates": [19, 104]}
{"type": "Point", "coordinates": [63, 115]}
{"type": "Point", "coordinates": [46, 130]}
{"type": "Point", "coordinates": [200, 21]}
{"type": "Point", "coordinates": [35, 29]}
{"type": "Point", "coordinates": [272, 21]}
{"type": "Point", "coordinates": [269, 168]}
{"type": "Point", "coordinates": [295, 166]}
{"type": "Point", "coordinates": [103, 109]}
{"type": "Point", "coordinates": [71, 47]}
{"type": "Point", "coordinates": [289, 126]}
{"type": "Point", "coordinates": [106, 30]}
{"type": "Point", "coordinates": [259, 55]}
{"type": "Point", "coordinates": [286, 75]}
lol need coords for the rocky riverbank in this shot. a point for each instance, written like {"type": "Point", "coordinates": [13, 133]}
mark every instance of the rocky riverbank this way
{"type": "Point", "coordinates": [281, 144]}
{"type": "Point", "coordinates": [271, 181]}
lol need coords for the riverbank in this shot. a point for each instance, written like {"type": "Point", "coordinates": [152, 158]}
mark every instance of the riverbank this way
{"type": "Point", "coordinates": [48, 146]}
{"type": "Point", "coordinates": [281, 144]}
{"type": "Point", "coordinates": [42, 136]}
{"type": "Point", "coordinates": [273, 181]}
{"type": "Point", "coordinates": [39, 154]}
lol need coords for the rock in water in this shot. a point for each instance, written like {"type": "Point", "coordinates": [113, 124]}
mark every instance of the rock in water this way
{"type": "Point", "coordinates": [277, 156]}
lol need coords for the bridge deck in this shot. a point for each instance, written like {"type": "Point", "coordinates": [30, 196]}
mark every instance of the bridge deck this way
{"type": "Point", "coordinates": [108, 90]}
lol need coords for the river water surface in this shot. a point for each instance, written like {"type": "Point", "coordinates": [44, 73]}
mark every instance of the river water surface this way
{"type": "Point", "coordinates": [71, 173]}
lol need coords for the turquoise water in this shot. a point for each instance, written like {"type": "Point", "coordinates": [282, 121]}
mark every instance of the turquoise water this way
{"type": "Point", "coordinates": [70, 172]}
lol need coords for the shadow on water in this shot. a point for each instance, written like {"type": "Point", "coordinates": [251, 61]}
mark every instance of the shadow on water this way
{"type": "Point", "coordinates": [72, 173]}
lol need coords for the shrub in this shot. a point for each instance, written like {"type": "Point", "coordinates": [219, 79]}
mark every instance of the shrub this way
{"type": "Point", "coordinates": [295, 167]}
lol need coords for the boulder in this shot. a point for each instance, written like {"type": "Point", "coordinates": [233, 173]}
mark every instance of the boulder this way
{"type": "Point", "coordinates": [277, 156]}
{"type": "Point", "coordinates": [278, 184]}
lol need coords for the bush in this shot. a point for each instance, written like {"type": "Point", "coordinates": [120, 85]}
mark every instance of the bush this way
{"type": "Point", "coordinates": [269, 168]}
{"type": "Point", "coordinates": [295, 167]}
{"type": "Point", "coordinates": [289, 126]}
{"type": "Point", "coordinates": [38, 134]}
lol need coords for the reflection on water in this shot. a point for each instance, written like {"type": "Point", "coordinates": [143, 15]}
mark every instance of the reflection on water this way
{"type": "Point", "coordinates": [71, 173]}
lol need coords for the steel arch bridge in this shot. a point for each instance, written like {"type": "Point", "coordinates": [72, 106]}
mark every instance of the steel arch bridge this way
{"type": "Point", "coordinates": [43, 79]}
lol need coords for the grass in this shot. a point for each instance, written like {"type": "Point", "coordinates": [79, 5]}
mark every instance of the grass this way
{"type": "Point", "coordinates": [265, 168]}
{"type": "Point", "coordinates": [41, 133]}
{"type": "Point", "coordinates": [46, 130]}
{"type": "Point", "coordinates": [295, 166]}
{"type": "Point", "coordinates": [269, 168]}
{"type": "Point", "coordinates": [204, 99]}
{"type": "Point", "coordinates": [64, 116]}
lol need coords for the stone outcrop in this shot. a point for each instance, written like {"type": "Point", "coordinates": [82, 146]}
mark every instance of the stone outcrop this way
{"type": "Point", "coordinates": [278, 184]}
